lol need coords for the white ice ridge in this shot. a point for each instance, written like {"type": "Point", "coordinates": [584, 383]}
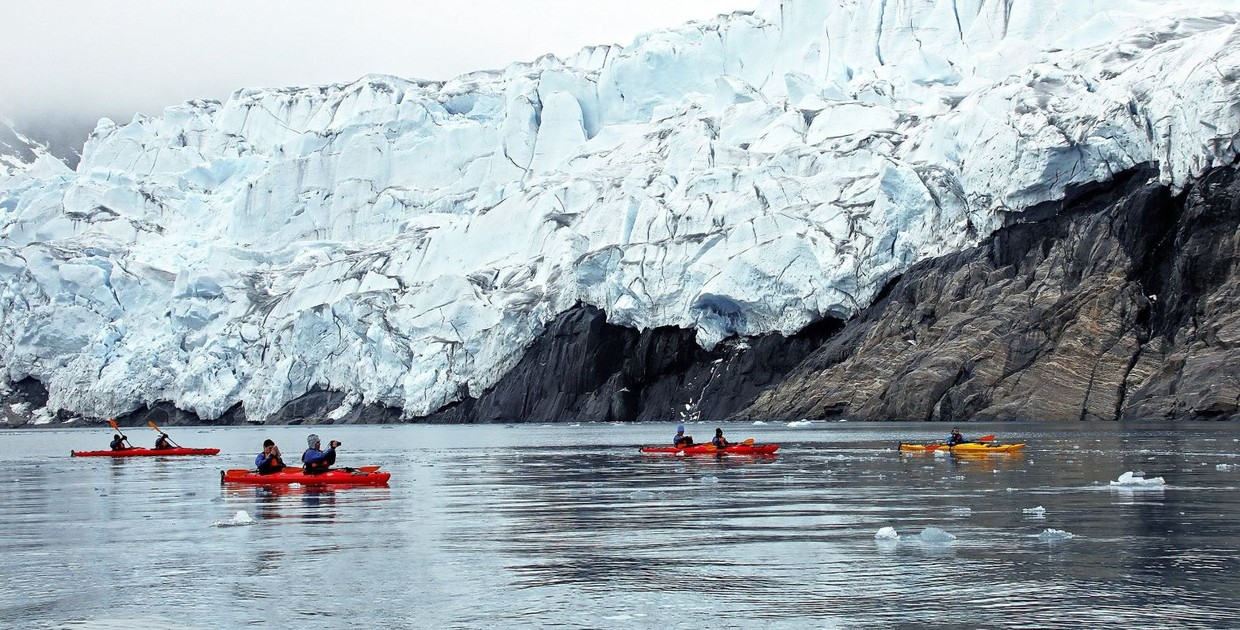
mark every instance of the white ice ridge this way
{"type": "Point", "coordinates": [239, 519]}
{"type": "Point", "coordinates": [404, 241]}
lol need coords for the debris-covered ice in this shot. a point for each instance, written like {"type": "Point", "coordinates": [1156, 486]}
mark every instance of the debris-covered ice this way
{"type": "Point", "coordinates": [1138, 480]}
{"type": "Point", "coordinates": [1035, 511]}
{"type": "Point", "coordinates": [238, 519]}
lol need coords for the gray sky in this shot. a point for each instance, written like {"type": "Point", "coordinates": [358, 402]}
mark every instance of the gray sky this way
{"type": "Point", "coordinates": [74, 59]}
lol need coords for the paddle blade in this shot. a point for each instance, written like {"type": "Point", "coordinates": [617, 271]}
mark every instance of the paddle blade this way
{"type": "Point", "coordinates": [112, 421]}
{"type": "Point", "coordinates": [986, 438]}
{"type": "Point", "coordinates": [748, 442]}
{"type": "Point", "coordinates": [152, 425]}
{"type": "Point", "coordinates": [931, 447]}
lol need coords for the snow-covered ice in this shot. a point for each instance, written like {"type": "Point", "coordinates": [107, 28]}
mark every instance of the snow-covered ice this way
{"type": "Point", "coordinates": [240, 518]}
{"type": "Point", "coordinates": [887, 533]}
{"type": "Point", "coordinates": [1138, 480]}
{"type": "Point", "coordinates": [404, 241]}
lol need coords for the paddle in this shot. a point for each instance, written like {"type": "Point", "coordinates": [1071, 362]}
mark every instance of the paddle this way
{"type": "Point", "coordinates": [112, 421]}
{"type": "Point", "coordinates": [170, 439]}
{"type": "Point", "coordinates": [985, 438]}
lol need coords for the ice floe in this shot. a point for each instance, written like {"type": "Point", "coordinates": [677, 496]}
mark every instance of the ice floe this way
{"type": "Point", "coordinates": [1053, 535]}
{"type": "Point", "coordinates": [1138, 480]}
{"type": "Point", "coordinates": [240, 518]}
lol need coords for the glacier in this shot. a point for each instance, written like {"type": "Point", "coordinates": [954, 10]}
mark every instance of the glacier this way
{"type": "Point", "coordinates": [403, 240]}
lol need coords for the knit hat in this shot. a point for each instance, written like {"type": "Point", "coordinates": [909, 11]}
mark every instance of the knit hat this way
{"type": "Point", "coordinates": [680, 428]}
{"type": "Point", "coordinates": [312, 440]}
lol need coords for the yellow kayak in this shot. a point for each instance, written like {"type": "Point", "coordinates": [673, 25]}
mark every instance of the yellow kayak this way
{"type": "Point", "coordinates": [968, 448]}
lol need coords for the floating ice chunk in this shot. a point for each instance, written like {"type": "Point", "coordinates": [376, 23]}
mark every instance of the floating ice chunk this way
{"type": "Point", "coordinates": [961, 511]}
{"type": "Point", "coordinates": [1035, 511]}
{"type": "Point", "coordinates": [1052, 535]}
{"type": "Point", "coordinates": [758, 422]}
{"type": "Point", "coordinates": [238, 519]}
{"type": "Point", "coordinates": [710, 479]}
{"type": "Point", "coordinates": [887, 533]}
{"type": "Point", "coordinates": [936, 535]}
{"type": "Point", "coordinates": [1138, 480]}
{"type": "Point", "coordinates": [642, 495]}
{"type": "Point", "coordinates": [801, 423]}
{"type": "Point", "coordinates": [1224, 467]}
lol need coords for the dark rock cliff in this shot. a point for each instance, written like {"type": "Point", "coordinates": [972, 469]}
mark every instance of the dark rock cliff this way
{"type": "Point", "coordinates": [1124, 305]}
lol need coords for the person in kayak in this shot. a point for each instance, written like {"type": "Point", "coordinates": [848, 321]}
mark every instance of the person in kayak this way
{"type": "Point", "coordinates": [118, 442]}
{"type": "Point", "coordinates": [269, 461]}
{"type": "Point", "coordinates": [955, 438]}
{"type": "Point", "coordinates": [681, 439]}
{"type": "Point", "coordinates": [315, 461]}
{"type": "Point", "coordinates": [719, 441]}
{"type": "Point", "coordinates": [161, 442]}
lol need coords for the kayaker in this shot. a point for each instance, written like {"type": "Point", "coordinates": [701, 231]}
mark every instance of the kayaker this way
{"type": "Point", "coordinates": [161, 442]}
{"type": "Point", "coordinates": [269, 461]}
{"type": "Point", "coordinates": [681, 439]}
{"type": "Point", "coordinates": [118, 442]}
{"type": "Point", "coordinates": [955, 438]}
{"type": "Point", "coordinates": [719, 441]}
{"type": "Point", "coordinates": [316, 461]}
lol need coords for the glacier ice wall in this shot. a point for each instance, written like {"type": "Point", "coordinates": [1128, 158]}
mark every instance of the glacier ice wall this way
{"type": "Point", "coordinates": [404, 240]}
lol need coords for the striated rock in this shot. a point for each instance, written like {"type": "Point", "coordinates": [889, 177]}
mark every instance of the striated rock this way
{"type": "Point", "coordinates": [1124, 306]}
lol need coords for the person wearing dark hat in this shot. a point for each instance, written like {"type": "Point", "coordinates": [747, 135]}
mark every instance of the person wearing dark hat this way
{"type": "Point", "coordinates": [681, 439]}
{"type": "Point", "coordinates": [719, 441]}
{"type": "Point", "coordinates": [269, 461]}
{"type": "Point", "coordinates": [161, 442]}
{"type": "Point", "coordinates": [118, 442]}
{"type": "Point", "coordinates": [315, 461]}
{"type": "Point", "coordinates": [955, 438]}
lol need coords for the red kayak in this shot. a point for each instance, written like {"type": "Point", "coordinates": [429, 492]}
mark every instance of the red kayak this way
{"type": "Point", "coordinates": [709, 449]}
{"type": "Point", "coordinates": [365, 476]}
{"type": "Point", "coordinates": [147, 452]}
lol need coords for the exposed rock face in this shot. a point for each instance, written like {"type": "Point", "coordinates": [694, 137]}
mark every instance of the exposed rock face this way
{"type": "Point", "coordinates": [583, 368]}
{"type": "Point", "coordinates": [1125, 306]}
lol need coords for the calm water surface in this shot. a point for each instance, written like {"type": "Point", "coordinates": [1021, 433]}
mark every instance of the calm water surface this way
{"type": "Point", "coordinates": [568, 526]}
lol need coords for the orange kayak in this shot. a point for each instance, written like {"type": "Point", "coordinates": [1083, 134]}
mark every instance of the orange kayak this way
{"type": "Point", "coordinates": [709, 449]}
{"type": "Point", "coordinates": [333, 477]}
{"type": "Point", "coordinates": [967, 448]}
{"type": "Point", "coordinates": [147, 452]}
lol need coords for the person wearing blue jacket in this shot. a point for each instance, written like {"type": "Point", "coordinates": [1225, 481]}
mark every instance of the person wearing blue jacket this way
{"type": "Point", "coordinates": [955, 438]}
{"type": "Point", "coordinates": [681, 439]}
{"type": "Point", "coordinates": [315, 461]}
{"type": "Point", "coordinates": [269, 461]}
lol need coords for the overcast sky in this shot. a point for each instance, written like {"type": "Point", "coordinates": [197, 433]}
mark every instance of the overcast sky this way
{"type": "Point", "coordinates": [83, 58]}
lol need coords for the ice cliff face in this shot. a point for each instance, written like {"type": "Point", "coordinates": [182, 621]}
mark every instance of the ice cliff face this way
{"type": "Point", "coordinates": [404, 241]}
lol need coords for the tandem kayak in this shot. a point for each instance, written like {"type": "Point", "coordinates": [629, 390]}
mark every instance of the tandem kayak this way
{"type": "Point", "coordinates": [968, 448]}
{"type": "Point", "coordinates": [367, 476]}
{"type": "Point", "coordinates": [709, 449]}
{"type": "Point", "coordinates": [147, 452]}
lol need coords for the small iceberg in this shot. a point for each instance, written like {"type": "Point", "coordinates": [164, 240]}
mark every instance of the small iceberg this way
{"type": "Point", "coordinates": [710, 479]}
{"type": "Point", "coordinates": [887, 533]}
{"type": "Point", "coordinates": [1138, 480]}
{"type": "Point", "coordinates": [1053, 535]}
{"type": "Point", "coordinates": [1035, 511]}
{"type": "Point", "coordinates": [801, 423]}
{"type": "Point", "coordinates": [1224, 467]}
{"type": "Point", "coordinates": [641, 495]}
{"type": "Point", "coordinates": [936, 536]}
{"type": "Point", "coordinates": [238, 519]}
